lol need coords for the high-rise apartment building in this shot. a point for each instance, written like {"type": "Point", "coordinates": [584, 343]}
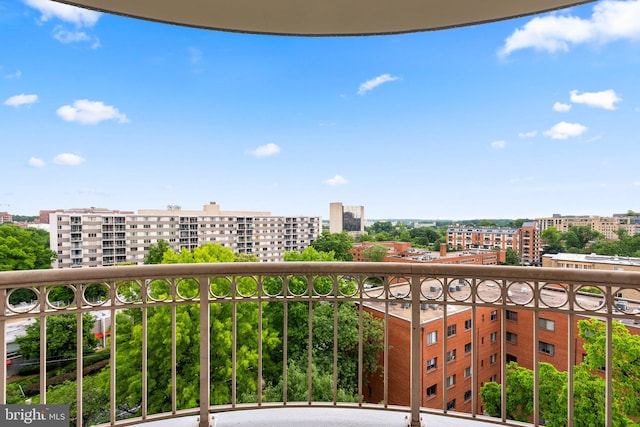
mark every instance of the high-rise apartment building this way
{"type": "Point", "coordinates": [607, 225]}
{"type": "Point", "coordinates": [524, 240]}
{"type": "Point", "coordinates": [101, 237]}
{"type": "Point", "coordinates": [467, 238]}
{"type": "Point", "coordinates": [346, 218]}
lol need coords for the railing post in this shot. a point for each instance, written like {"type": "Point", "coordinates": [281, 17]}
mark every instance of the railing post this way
{"type": "Point", "coordinates": [205, 360]}
{"type": "Point", "coordinates": [3, 347]}
{"type": "Point", "coordinates": [415, 352]}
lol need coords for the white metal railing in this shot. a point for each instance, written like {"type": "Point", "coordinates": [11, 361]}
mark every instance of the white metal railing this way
{"type": "Point", "coordinates": [144, 288]}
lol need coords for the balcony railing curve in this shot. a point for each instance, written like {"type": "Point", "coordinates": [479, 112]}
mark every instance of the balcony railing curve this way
{"type": "Point", "coordinates": [383, 289]}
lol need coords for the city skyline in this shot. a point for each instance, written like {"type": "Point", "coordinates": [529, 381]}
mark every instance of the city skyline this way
{"type": "Point", "coordinates": [521, 118]}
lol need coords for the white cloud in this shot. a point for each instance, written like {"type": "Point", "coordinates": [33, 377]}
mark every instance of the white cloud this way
{"type": "Point", "coordinates": [561, 108]}
{"type": "Point", "coordinates": [66, 37]}
{"type": "Point", "coordinates": [336, 180]}
{"type": "Point", "coordinates": [22, 99]}
{"type": "Point", "coordinates": [564, 130]}
{"type": "Point", "coordinates": [90, 112]}
{"type": "Point", "coordinates": [75, 15]}
{"type": "Point", "coordinates": [604, 99]}
{"type": "Point", "coordinates": [375, 82]}
{"type": "Point", "coordinates": [265, 150]}
{"type": "Point", "coordinates": [195, 55]}
{"type": "Point", "coordinates": [68, 159]}
{"type": "Point", "coordinates": [637, 183]}
{"type": "Point", "coordinates": [15, 75]}
{"type": "Point", "coordinates": [610, 21]}
{"type": "Point", "coordinates": [530, 134]}
{"type": "Point", "coordinates": [498, 145]}
{"type": "Point", "coordinates": [35, 162]}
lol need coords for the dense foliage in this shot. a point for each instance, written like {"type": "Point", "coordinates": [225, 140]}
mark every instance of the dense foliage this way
{"type": "Point", "coordinates": [589, 387]}
{"type": "Point", "coordinates": [321, 314]}
{"type": "Point", "coordinates": [24, 248]}
{"type": "Point", "coordinates": [61, 337]}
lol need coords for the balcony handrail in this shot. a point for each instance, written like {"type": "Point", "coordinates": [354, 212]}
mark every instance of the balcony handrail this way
{"type": "Point", "coordinates": [604, 278]}
{"type": "Point", "coordinates": [415, 274]}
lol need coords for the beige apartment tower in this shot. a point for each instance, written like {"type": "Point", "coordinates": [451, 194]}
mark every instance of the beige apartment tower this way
{"type": "Point", "coordinates": [101, 237]}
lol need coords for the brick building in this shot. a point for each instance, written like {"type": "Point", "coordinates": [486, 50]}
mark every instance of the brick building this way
{"type": "Point", "coordinates": [524, 240]}
{"type": "Point", "coordinates": [446, 341]}
{"type": "Point", "coordinates": [403, 252]}
{"type": "Point", "coordinates": [440, 347]}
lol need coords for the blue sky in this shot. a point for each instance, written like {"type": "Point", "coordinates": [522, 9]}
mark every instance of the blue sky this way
{"type": "Point", "coordinates": [520, 118]}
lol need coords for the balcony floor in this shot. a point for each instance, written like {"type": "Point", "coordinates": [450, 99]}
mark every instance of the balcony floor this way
{"type": "Point", "coordinates": [324, 417]}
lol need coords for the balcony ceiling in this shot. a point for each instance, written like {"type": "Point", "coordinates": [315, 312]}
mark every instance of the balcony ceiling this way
{"type": "Point", "coordinates": [324, 17]}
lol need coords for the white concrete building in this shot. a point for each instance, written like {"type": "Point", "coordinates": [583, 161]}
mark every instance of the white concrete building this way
{"type": "Point", "coordinates": [100, 237]}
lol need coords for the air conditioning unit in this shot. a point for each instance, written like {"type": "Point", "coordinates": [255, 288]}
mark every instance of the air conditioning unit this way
{"type": "Point", "coordinates": [433, 289]}
{"type": "Point", "coordinates": [424, 306]}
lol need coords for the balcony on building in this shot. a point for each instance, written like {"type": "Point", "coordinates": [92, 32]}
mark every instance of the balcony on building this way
{"type": "Point", "coordinates": [447, 330]}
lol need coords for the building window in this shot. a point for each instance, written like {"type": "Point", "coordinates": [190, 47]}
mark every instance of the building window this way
{"type": "Point", "coordinates": [451, 355]}
{"type": "Point", "coordinates": [493, 337]}
{"type": "Point", "coordinates": [547, 324]}
{"type": "Point", "coordinates": [467, 395]}
{"type": "Point", "coordinates": [547, 348]}
{"type": "Point", "coordinates": [511, 358]}
{"type": "Point", "coordinates": [494, 315]}
{"type": "Point", "coordinates": [512, 338]}
{"type": "Point", "coordinates": [451, 330]}
{"type": "Point", "coordinates": [431, 391]}
{"type": "Point", "coordinates": [451, 405]}
{"type": "Point", "coordinates": [512, 315]}
{"type": "Point", "coordinates": [467, 372]}
{"type": "Point", "coordinates": [432, 337]}
{"type": "Point", "coordinates": [467, 324]}
{"type": "Point", "coordinates": [493, 378]}
{"type": "Point", "coordinates": [493, 358]}
{"type": "Point", "coordinates": [432, 364]}
{"type": "Point", "coordinates": [451, 381]}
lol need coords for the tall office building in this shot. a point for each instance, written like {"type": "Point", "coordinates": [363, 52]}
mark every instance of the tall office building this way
{"type": "Point", "coordinates": [100, 237]}
{"type": "Point", "coordinates": [346, 218]}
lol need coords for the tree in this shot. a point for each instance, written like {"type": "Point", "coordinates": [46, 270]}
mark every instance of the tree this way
{"type": "Point", "coordinates": [577, 237]}
{"type": "Point", "coordinates": [375, 253]}
{"type": "Point", "coordinates": [512, 257]}
{"type": "Point", "coordinates": [339, 243]}
{"type": "Point", "coordinates": [95, 399]}
{"type": "Point", "coordinates": [322, 325]}
{"type": "Point", "coordinates": [61, 337]}
{"type": "Point", "coordinates": [297, 390]}
{"type": "Point", "coordinates": [626, 245]}
{"type": "Point", "coordinates": [187, 341]}
{"type": "Point", "coordinates": [309, 254]}
{"type": "Point", "coordinates": [589, 387]}
{"type": "Point", "coordinates": [380, 227]}
{"type": "Point", "coordinates": [626, 363]}
{"type": "Point", "coordinates": [24, 249]}
{"type": "Point", "coordinates": [552, 239]}
{"type": "Point", "coordinates": [156, 252]}
{"type": "Point", "coordinates": [423, 236]}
